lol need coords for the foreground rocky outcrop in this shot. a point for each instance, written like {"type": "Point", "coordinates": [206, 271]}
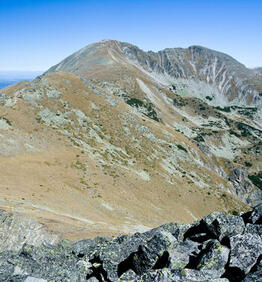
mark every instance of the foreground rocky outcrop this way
{"type": "Point", "coordinates": [16, 230]}
{"type": "Point", "coordinates": [220, 247]}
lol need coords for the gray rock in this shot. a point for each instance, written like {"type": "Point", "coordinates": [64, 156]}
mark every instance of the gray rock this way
{"type": "Point", "coordinates": [215, 257]}
{"type": "Point", "coordinates": [254, 229]}
{"type": "Point", "coordinates": [33, 279]}
{"type": "Point", "coordinates": [194, 275]}
{"type": "Point", "coordinates": [245, 250]}
{"type": "Point", "coordinates": [256, 275]}
{"type": "Point", "coordinates": [15, 230]}
{"type": "Point", "coordinates": [255, 216]}
{"type": "Point", "coordinates": [243, 187]}
{"type": "Point", "coordinates": [117, 254]}
{"type": "Point", "coordinates": [149, 254]}
{"type": "Point", "coordinates": [224, 225]}
{"type": "Point", "coordinates": [180, 255]}
{"type": "Point", "coordinates": [160, 275]}
{"type": "Point", "coordinates": [217, 225]}
{"type": "Point", "coordinates": [161, 254]}
{"type": "Point", "coordinates": [130, 275]}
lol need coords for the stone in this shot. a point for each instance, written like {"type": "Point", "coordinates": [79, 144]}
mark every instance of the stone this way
{"type": "Point", "coordinates": [245, 250]}
{"type": "Point", "coordinates": [254, 216]}
{"type": "Point", "coordinates": [130, 275]}
{"type": "Point", "coordinates": [33, 279]}
{"type": "Point", "coordinates": [153, 251]}
{"type": "Point", "coordinates": [181, 254]}
{"type": "Point", "coordinates": [166, 253]}
{"type": "Point", "coordinates": [242, 186]}
{"type": "Point", "coordinates": [223, 225]}
{"type": "Point", "coordinates": [256, 274]}
{"type": "Point", "coordinates": [254, 229]}
{"type": "Point", "coordinates": [16, 230]}
{"type": "Point", "coordinates": [214, 259]}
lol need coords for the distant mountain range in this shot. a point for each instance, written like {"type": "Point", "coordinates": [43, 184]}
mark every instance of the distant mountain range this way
{"type": "Point", "coordinates": [115, 140]}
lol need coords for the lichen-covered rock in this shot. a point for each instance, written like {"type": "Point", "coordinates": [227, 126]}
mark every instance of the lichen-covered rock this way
{"type": "Point", "coordinates": [214, 259]}
{"type": "Point", "coordinates": [256, 274]}
{"type": "Point", "coordinates": [153, 251]}
{"type": "Point", "coordinates": [196, 275]}
{"type": "Point", "coordinates": [33, 279]}
{"type": "Point", "coordinates": [254, 229]}
{"type": "Point", "coordinates": [160, 275]}
{"type": "Point", "coordinates": [116, 255]}
{"type": "Point", "coordinates": [176, 229]}
{"type": "Point", "coordinates": [166, 253]}
{"type": "Point", "coordinates": [130, 275]}
{"type": "Point", "coordinates": [182, 253]}
{"type": "Point", "coordinates": [245, 250]}
{"type": "Point", "coordinates": [217, 225]}
{"type": "Point", "coordinates": [223, 225]}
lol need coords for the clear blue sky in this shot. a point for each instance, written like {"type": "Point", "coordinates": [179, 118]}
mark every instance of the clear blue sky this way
{"type": "Point", "coordinates": [37, 34]}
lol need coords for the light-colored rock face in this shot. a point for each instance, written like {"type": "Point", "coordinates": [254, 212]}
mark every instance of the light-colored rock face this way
{"type": "Point", "coordinates": [115, 149]}
{"type": "Point", "coordinates": [16, 230]}
{"type": "Point", "coordinates": [195, 71]}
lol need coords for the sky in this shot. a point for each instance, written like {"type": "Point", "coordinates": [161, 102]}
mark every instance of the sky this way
{"type": "Point", "coordinates": [36, 34]}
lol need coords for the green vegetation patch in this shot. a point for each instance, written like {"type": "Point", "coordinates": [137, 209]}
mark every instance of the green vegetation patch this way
{"type": "Point", "coordinates": [256, 179]}
{"type": "Point", "coordinates": [6, 120]}
{"type": "Point", "coordinates": [150, 112]}
{"type": "Point", "coordinates": [224, 109]}
{"type": "Point", "coordinates": [179, 103]}
{"type": "Point", "coordinates": [245, 130]}
{"type": "Point", "coordinates": [202, 107]}
{"type": "Point", "coordinates": [180, 147]}
{"type": "Point", "coordinates": [249, 112]}
{"type": "Point", "coordinates": [199, 138]}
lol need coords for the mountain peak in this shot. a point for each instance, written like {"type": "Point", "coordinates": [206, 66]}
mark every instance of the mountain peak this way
{"type": "Point", "coordinates": [230, 80]}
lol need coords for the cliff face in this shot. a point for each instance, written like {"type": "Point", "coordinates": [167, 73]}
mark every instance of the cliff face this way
{"type": "Point", "coordinates": [219, 247]}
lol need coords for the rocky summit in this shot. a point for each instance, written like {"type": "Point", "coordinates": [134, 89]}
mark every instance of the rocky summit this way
{"type": "Point", "coordinates": [219, 247]}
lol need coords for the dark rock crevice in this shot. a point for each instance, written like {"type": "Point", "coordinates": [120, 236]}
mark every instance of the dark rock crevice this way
{"type": "Point", "coordinates": [126, 265]}
{"type": "Point", "coordinates": [199, 233]}
{"type": "Point", "coordinates": [97, 270]}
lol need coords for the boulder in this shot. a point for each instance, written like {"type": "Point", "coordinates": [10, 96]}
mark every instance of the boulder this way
{"type": "Point", "coordinates": [254, 229]}
{"type": "Point", "coordinates": [217, 225]}
{"type": "Point", "coordinates": [254, 216]}
{"type": "Point", "coordinates": [245, 250]}
{"type": "Point", "coordinates": [213, 259]}
{"type": "Point", "coordinates": [154, 252]}
{"type": "Point", "coordinates": [183, 253]}
{"type": "Point", "coordinates": [223, 225]}
{"type": "Point", "coordinates": [189, 275]}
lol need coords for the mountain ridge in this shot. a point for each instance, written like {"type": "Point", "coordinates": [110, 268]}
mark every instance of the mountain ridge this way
{"type": "Point", "coordinates": [107, 143]}
{"type": "Point", "coordinates": [195, 62]}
